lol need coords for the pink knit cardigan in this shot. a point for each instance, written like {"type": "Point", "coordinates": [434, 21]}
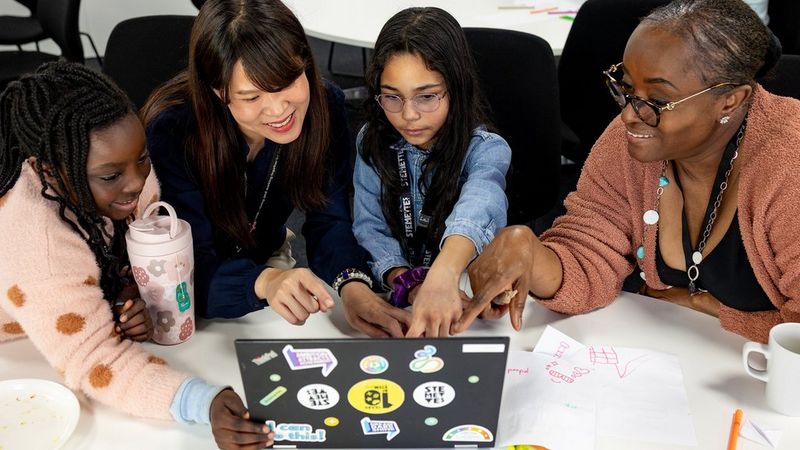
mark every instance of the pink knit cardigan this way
{"type": "Point", "coordinates": [603, 226]}
{"type": "Point", "coordinates": [49, 292]}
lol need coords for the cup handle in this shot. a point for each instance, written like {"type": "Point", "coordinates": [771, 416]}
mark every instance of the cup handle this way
{"type": "Point", "coordinates": [173, 216]}
{"type": "Point", "coordinates": [756, 347]}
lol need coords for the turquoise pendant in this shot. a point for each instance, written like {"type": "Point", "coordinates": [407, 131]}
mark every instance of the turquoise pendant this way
{"type": "Point", "coordinates": [663, 181]}
{"type": "Point", "coordinates": [640, 252]}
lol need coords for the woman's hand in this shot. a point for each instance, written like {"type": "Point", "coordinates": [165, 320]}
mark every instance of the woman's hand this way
{"type": "Point", "coordinates": [133, 320]}
{"type": "Point", "coordinates": [294, 294]}
{"type": "Point", "coordinates": [703, 301]}
{"type": "Point", "coordinates": [370, 314]}
{"type": "Point", "coordinates": [437, 304]}
{"type": "Point", "coordinates": [231, 426]}
{"type": "Point", "coordinates": [506, 261]}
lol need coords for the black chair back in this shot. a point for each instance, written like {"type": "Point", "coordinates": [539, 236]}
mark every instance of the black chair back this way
{"type": "Point", "coordinates": [30, 4]}
{"type": "Point", "coordinates": [59, 20]}
{"type": "Point", "coordinates": [144, 52]}
{"type": "Point", "coordinates": [596, 40]}
{"type": "Point", "coordinates": [784, 79]}
{"type": "Point", "coordinates": [784, 20]}
{"type": "Point", "coordinates": [518, 77]}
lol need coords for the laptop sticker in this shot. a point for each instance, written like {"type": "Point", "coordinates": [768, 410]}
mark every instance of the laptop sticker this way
{"type": "Point", "coordinates": [275, 378]}
{"type": "Point", "coordinates": [376, 396]}
{"type": "Point", "coordinates": [434, 394]}
{"type": "Point", "coordinates": [266, 357]}
{"type": "Point", "coordinates": [374, 364]}
{"type": "Point", "coordinates": [474, 379]}
{"type": "Point", "coordinates": [331, 421]}
{"type": "Point", "coordinates": [387, 427]}
{"type": "Point", "coordinates": [318, 396]}
{"type": "Point", "coordinates": [425, 362]}
{"type": "Point", "coordinates": [431, 421]}
{"type": "Point", "coordinates": [308, 358]}
{"type": "Point", "coordinates": [272, 396]}
{"type": "Point", "coordinates": [468, 433]}
{"type": "Point", "coordinates": [296, 432]}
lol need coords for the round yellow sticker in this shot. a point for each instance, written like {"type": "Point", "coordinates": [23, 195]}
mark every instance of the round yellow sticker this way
{"type": "Point", "coordinates": [376, 396]}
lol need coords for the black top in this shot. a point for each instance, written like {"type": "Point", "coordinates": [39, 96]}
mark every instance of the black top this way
{"type": "Point", "coordinates": [725, 273]}
{"type": "Point", "coordinates": [224, 280]}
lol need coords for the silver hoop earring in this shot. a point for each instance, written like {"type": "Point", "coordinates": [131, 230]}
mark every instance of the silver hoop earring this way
{"type": "Point", "coordinates": [724, 119]}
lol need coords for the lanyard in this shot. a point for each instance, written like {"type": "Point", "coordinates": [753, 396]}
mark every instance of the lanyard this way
{"type": "Point", "coordinates": [419, 244]}
{"type": "Point", "coordinates": [273, 167]}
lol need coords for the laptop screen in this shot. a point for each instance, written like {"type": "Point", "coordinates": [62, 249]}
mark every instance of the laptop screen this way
{"type": "Point", "coordinates": [376, 393]}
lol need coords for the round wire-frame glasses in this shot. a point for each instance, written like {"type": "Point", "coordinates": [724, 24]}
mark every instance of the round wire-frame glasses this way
{"type": "Point", "coordinates": [646, 110]}
{"type": "Point", "coordinates": [424, 103]}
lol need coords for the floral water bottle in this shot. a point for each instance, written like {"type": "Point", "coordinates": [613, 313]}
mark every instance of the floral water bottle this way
{"type": "Point", "coordinates": [162, 262]}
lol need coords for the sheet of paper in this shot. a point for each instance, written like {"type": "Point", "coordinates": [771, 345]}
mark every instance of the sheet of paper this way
{"type": "Point", "coordinates": [760, 433]}
{"type": "Point", "coordinates": [541, 409]}
{"type": "Point", "coordinates": [640, 395]}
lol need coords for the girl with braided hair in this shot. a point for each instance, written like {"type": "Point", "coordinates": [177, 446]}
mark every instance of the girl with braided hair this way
{"type": "Point", "coordinates": [73, 166]}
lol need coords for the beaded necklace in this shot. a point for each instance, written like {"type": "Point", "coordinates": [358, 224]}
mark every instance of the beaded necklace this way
{"type": "Point", "coordinates": [270, 177]}
{"type": "Point", "coordinates": [651, 216]}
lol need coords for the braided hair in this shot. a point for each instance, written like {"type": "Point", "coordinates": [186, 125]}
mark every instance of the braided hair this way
{"type": "Point", "coordinates": [48, 115]}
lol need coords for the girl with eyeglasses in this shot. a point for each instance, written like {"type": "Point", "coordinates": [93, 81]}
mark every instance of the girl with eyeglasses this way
{"type": "Point", "coordinates": [695, 183]}
{"type": "Point", "coordinates": [245, 135]}
{"type": "Point", "coordinates": [429, 177]}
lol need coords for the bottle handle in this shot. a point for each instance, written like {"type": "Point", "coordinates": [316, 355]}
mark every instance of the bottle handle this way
{"type": "Point", "coordinates": [173, 216]}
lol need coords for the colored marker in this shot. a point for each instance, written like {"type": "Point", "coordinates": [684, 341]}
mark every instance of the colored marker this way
{"type": "Point", "coordinates": [733, 438]}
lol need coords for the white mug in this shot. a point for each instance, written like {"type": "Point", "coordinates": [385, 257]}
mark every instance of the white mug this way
{"type": "Point", "coordinates": [783, 367]}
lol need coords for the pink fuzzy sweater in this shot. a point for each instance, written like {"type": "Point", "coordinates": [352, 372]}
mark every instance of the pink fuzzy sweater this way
{"type": "Point", "coordinates": [49, 292]}
{"type": "Point", "coordinates": [597, 237]}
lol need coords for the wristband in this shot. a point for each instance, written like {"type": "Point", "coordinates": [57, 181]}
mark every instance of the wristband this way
{"type": "Point", "coordinates": [348, 275]}
{"type": "Point", "coordinates": [404, 283]}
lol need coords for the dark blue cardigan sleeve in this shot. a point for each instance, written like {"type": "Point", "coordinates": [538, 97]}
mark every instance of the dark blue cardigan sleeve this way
{"type": "Point", "coordinates": [330, 243]}
{"type": "Point", "coordinates": [224, 287]}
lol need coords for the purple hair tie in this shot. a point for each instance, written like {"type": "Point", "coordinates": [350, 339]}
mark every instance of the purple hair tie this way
{"type": "Point", "coordinates": [403, 283]}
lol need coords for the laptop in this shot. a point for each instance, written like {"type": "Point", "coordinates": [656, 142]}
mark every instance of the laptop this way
{"type": "Point", "coordinates": [375, 393]}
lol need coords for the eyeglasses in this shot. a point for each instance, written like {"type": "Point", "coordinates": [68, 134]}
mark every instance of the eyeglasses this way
{"type": "Point", "coordinates": [647, 110]}
{"type": "Point", "coordinates": [424, 103]}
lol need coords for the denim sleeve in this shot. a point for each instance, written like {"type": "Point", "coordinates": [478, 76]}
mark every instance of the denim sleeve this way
{"type": "Point", "coordinates": [224, 287]}
{"type": "Point", "coordinates": [369, 226]}
{"type": "Point", "coordinates": [482, 206]}
{"type": "Point", "coordinates": [192, 402]}
{"type": "Point", "coordinates": [330, 243]}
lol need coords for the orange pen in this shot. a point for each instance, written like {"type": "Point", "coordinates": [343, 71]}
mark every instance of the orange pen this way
{"type": "Point", "coordinates": [733, 438]}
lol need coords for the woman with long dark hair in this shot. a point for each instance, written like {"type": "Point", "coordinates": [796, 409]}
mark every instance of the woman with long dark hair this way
{"type": "Point", "coordinates": [248, 133]}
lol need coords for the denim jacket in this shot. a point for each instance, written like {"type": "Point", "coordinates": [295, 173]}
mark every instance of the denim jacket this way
{"type": "Point", "coordinates": [478, 213]}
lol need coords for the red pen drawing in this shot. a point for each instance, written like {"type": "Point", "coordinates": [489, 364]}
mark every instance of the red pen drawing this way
{"type": "Point", "coordinates": [518, 371]}
{"type": "Point", "coordinates": [557, 376]}
{"type": "Point", "coordinates": [608, 356]}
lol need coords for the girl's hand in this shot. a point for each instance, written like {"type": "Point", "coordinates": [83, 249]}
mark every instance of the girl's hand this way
{"type": "Point", "coordinates": [437, 304]}
{"type": "Point", "coordinates": [703, 302]}
{"type": "Point", "coordinates": [133, 320]}
{"type": "Point", "coordinates": [231, 426]}
{"type": "Point", "coordinates": [370, 314]}
{"type": "Point", "coordinates": [294, 294]}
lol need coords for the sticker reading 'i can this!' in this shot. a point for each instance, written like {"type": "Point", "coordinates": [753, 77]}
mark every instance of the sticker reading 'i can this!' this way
{"type": "Point", "coordinates": [387, 427]}
{"type": "Point", "coordinates": [296, 432]}
{"type": "Point", "coordinates": [468, 433]}
{"type": "Point", "coordinates": [318, 396]}
{"type": "Point", "coordinates": [308, 358]}
{"type": "Point", "coordinates": [425, 362]}
{"type": "Point", "coordinates": [376, 396]}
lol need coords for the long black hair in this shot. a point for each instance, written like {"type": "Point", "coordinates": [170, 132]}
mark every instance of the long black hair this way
{"type": "Point", "coordinates": [274, 51]}
{"type": "Point", "coordinates": [49, 115]}
{"type": "Point", "coordinates": [436, 37]}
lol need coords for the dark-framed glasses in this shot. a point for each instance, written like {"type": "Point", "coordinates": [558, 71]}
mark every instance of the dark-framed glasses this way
{"type": "Point", "coordinates": [424, 103]}
{"type": "Point", "coordinates": [648, 111]}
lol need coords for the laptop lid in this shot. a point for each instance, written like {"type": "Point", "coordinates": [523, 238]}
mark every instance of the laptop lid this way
{"type": "Point", "coordinates": [375, 393]}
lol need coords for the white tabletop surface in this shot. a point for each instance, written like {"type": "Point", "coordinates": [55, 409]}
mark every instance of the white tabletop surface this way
{"type": "Point", "coordinates": [358, 22]}
{"type": "Point", "coordinates": [709, 356]}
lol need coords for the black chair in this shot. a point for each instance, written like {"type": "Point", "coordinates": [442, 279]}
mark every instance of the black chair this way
{"type": "Point", "coordinates": [144, 52]}
{"type": "Point", "coordinates": [596, 40]}
{"type": "Point", "coordinates": [59, 20]}
{"type": "Point", "coordinates": [198, 3]}
{"type": "Point", "coordinates": [518, 77]}
{"type": "Point", "coordinates": [785, 77]}
{"type": "Point", "coordinates": [784, 21]}
{"type": "Point", "coordinates": [18, 30]}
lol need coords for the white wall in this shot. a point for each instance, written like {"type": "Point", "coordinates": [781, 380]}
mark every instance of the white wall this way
{"type": "Point", "coordinates": [98, 17]}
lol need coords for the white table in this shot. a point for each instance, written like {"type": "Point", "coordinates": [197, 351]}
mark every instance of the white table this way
{"type": "Point", "coordinates": [710, 358]}
{"type": "Point", "coordinates": [358, 22]}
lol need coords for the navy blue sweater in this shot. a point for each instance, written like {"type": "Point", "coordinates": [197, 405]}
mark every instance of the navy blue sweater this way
{"type": "Point", "coordinates": [224, 280]}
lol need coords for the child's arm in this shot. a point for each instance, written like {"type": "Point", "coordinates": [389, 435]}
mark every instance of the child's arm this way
{"type": "Point", "coordinates": [438, 300]}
